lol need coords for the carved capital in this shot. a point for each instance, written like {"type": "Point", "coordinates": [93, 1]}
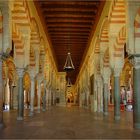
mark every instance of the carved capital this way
{"type": "Point", "coordinates": [135, 61]}
{"type": "Point", "coordinates": [117, 72]}
{"type": "Point", "coordinates": [106, 74]}
{"type": "Point", "coordinates": [5, 55]}
{"type": "Point", "coordinates": [20, 72]}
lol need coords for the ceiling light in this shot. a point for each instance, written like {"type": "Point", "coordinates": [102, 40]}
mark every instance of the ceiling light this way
{"type": "Point", "coordinates": [68, 64]}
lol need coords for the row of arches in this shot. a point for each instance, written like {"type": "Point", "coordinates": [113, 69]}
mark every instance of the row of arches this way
{"type": "Point", "coordinates": [27, 63]}
{"type": "Point", "coordinates": [111, 52]}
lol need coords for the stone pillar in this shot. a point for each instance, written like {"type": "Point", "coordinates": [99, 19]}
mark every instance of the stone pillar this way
{"type": "Point", "coordinates": [1, 94]}
{"type": "Point", "coordinates": [99, 95]}
{"type": "Point", "coordinates": [20, 112]}
{"type": "Point", "coordinates": [44, 97]}
{"type": "Point", "coordinates": [39, 94]}
{"type": "Point", "coordinates": [105, 99]}
{"type": "Point", "coordinates": [11, 96]}
{"type": "Point", "coordinates": [47, 97]}
{"type": "Point", "coordinates": [135, 60]}
{"type": "Point", "coordinates": [117, 93]}
{"type": "Point", "coordinates": [15, 97]}
{"type": "Point", "coordinates": [106, 92]}
{"type": "Point", "coordinates": [50, 92]}
{"type": "Point", "coordinates": [32, 94]}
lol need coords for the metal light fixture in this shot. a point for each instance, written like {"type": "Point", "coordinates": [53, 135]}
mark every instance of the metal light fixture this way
{"type": "Point", "coordinates": [69, 84]}
{"type": "Point", "coordinates": [68, 64]}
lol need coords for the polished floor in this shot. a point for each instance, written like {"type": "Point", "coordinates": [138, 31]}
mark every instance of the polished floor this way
{"type": "Point", "coordinates": [68, 123]}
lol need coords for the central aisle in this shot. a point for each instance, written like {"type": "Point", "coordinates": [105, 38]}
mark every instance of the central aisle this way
{"type": "Point", "coordinates": [69, 123]}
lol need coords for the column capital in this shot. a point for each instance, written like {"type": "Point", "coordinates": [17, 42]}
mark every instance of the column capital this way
{"type": "Point", "coordinates": [32, 74]}
{"type": "Point", "coordinates": [106, 74]}
{"type": "Point", "coordinates": [45, 82]}
{"type": "Point", "coordinates": [39, 78]}
{"type": "Point", "coordinates": [20, 72]}
{"type": "Point", "coordinates": [117, 72]}
{"type": "Point", "coordinates": [135, 61]}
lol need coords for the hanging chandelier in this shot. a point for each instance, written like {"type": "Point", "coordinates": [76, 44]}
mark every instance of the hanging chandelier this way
{"type": "Point", "coordinates": [68, 64]}
{"type": "Point", "coordinates": [69, 84]}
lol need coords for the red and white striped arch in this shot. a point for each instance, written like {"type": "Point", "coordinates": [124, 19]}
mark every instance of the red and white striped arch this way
{"type": "Point", "coordinates": [120, 42]}
{"type": "Point", "coordinates": [20, 13]}
{"type": "Point", "coordinates": [34, 43]}
{"type": "Point", "coordinates": [20, 18]}
{"type": "Point", "coordinates": [1, 30]}
{"type": "Point", "coordinates": [32, 58]}
{"type": "Point", "coordinates": [35, 36]}
{"type": "Point", "coordinates": [97, 47]}
{"type": "Point", "coordinates": [18, 41]}
{"type": "Point", "coordinates": [137, 25]}
{"type": "Point", "coordinates": [106, 58]}
{"type": "Point", "coordinates": [104, 32]}
{"type": "Point", "coordinates": [1, 21]}
{"type": "Point", "coordinates": [96, 56]}
{"type": "Point", "coordinates": [42, 54]}
{"type": "Point", "coordinates": [117, 12]}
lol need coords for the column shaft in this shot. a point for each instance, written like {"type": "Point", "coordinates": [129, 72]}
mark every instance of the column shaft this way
{"type": "Point", "coordinates": [39, 92]}
{"type": "Point", "coordinates": [32, 96]}
{"type": "Point", "coordinates": [136, 111]}
{"type": "Point", "coordinates": [11, 97]}
{"type": "Point", "coordinates": [1, 95]}
{"type": "Point", "coordinates": [20, 99]}
{"type": "Point", "coordinates": [117, 97]}
{"type": "Point", "coordinates": [98, 100]}
{"type": "Point", "coordinates": [105, 100]}
{"type": "Point", "coordinates": [44, 99]}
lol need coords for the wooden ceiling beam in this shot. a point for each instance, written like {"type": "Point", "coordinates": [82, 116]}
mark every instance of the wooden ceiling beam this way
{"type": "Point", "coordinates": [66, 29]}
{"type": "Point", "coordinates": [65, 15]}
{"type": "Point", "coordinates": [69, 20]}
{"type": "Point", "coordinates": [56, 2]}
{"type": "Point", "coordinates": [70, 9]}
{"type": "Point", "coordinates": [93, 13]}
{"type": "Point", "coordinates": [69, 33]}
{"type": "Point", "coordinates": [68, 25]}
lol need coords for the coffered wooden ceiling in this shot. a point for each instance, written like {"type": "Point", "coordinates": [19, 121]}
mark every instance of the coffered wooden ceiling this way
{"type": "Point", "coordinates": [69, 25]}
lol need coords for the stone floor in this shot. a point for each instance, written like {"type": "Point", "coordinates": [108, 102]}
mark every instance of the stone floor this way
{"type": "Point", "coordinates": [68, 123]}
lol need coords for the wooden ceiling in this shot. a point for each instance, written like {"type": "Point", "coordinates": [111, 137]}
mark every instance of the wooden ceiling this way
{"type": "Point", "coordinates": [69, 25]}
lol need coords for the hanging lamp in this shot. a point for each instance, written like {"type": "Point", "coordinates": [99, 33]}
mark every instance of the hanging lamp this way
{"type": "Point", "coordinates": [68, 64]}
{"type": "Point", "coordinates": [69, 82]}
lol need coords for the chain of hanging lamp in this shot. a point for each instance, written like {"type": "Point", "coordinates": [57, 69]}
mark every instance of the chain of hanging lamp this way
{"type": "Point", "coordinates": [68, 64]}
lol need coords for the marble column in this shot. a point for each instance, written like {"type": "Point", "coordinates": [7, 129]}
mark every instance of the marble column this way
{"type": "Point", "coordinates": [20, 112]}
{"type": "Point", "coordinates": [11, 96]}
{"type": "Point", "coordinates": [135, 60]}
{"type": "Point", "coordinates": [50, 92]}
{"type": "Point", "coordinates": [1, 94]}
{"type": "Point", "coordinates": [105, 99]}
{"type": "Point", "coordinates": [106, 92]}
{"type": "Point", "coordinates": [44, 97]}
{"type": "Point", "coordinates": [32, 95]}
{"type": "Point", "coordinates": [99, 95]}
{"type": "Point", "coordinates": [117, 93]}
{"type": "Point", "coordinates": [39, 95]}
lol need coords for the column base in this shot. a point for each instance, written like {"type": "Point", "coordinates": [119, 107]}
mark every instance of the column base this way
{"type": "Point", "coordinates": [117, 118]}
{"type": "Point", "coordinates": [136, 125]}
{"type": "Point", "coordinates": [62, 104]}
{"type": "Point", "coordinates": [38, 111]}
{"type": "Point", "coordinates": [19, 118]}
{"type": "Point", "coordinates": [43, 110]}
{"type": "Point", "coordinates": [105, 113]}
{"type": "Point", "coordinates": [1, 125]}
{"type": "Point", "coordinates": [31, 113]}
